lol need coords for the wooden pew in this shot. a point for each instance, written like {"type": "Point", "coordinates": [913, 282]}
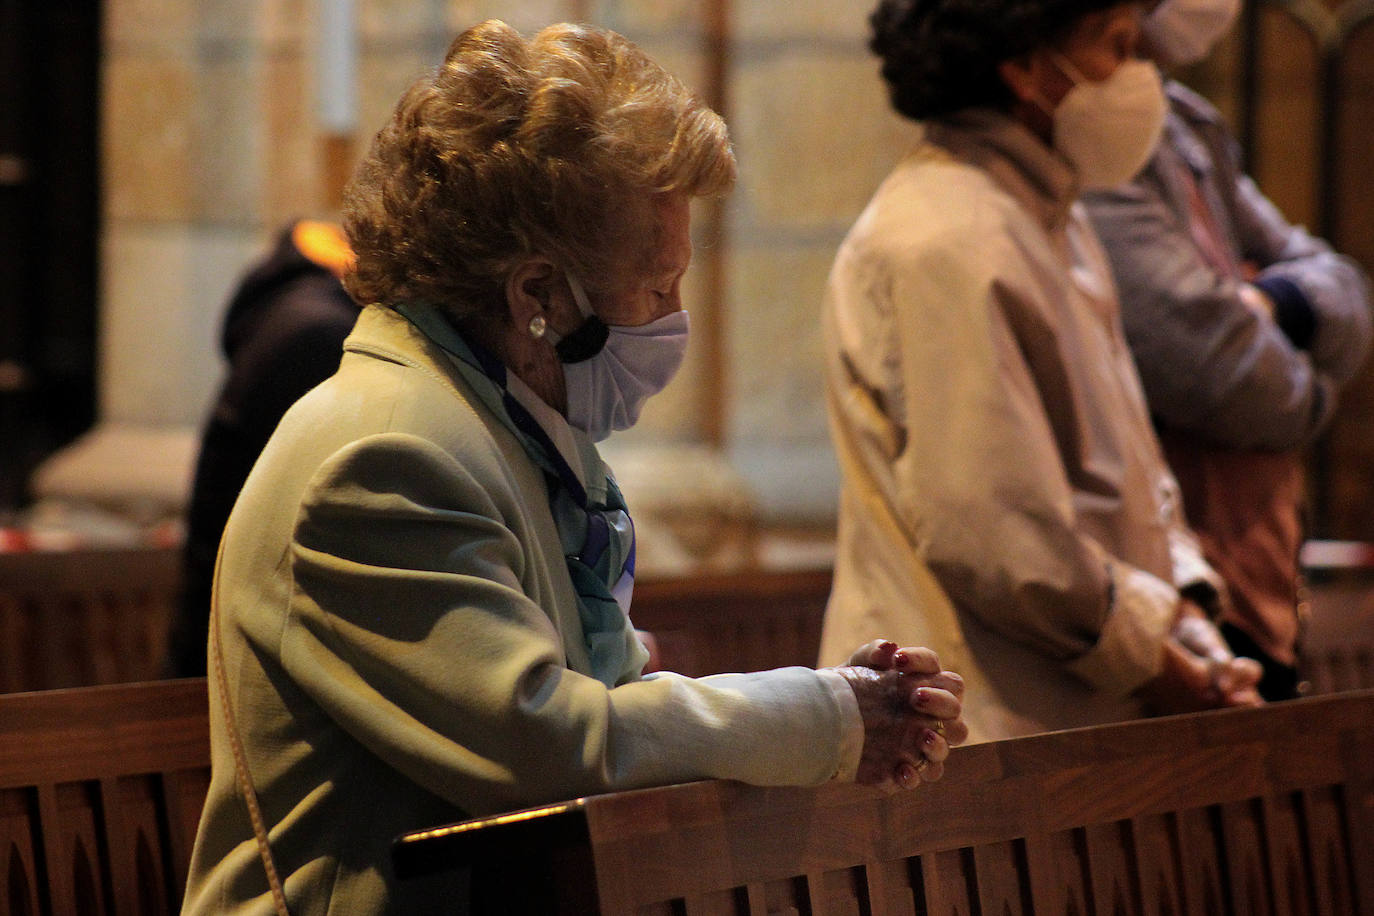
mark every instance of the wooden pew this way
{"type": "Point", "coordinates": [73, 618]}
{"type": "Point", "coordinates": [100, 794]}
{"type": "Point", "coordinates": [100, 615]}
{"type": "Point", "coordinates": [1338, 641]}
{"type": "Point", "coordinates": [1338, 645]}
{"type": "Point", "coordinates": [1265, 812]}
{"type": "Point", "coordinates": [749, 620]}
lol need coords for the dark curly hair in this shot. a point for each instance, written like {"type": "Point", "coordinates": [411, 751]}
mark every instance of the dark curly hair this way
{"type": "Point", "coordinates": [941, 56]}
{"type": "Point", "coordinates": [552, 146]}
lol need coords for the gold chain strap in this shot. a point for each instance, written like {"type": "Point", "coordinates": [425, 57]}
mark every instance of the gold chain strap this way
{"type": "Point", "coordinates": [250, 795]}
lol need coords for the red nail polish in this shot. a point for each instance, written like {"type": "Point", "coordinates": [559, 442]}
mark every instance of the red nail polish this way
{"type": "Point", "coordinates": [887, 646]}
{"type": "Point", "coordinates": [900, 660]}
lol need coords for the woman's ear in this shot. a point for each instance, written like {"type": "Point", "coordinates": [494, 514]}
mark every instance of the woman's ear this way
{"type": "Point", "coordinates": [1021, 76]}
{"type": "Point", "coordinates": [1025, 78]}
{"type": "Point", "coordinates": [528, 290]}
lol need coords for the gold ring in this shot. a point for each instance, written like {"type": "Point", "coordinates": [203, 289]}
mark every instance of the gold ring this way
{"type": "Point", "coordinates": [939, 727]}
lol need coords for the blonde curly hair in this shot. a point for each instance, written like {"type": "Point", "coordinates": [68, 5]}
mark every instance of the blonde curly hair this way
{"type": "Point", "coordinates": [555, 146]}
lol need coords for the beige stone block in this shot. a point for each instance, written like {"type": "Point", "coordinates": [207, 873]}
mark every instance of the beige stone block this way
{"type": "Point", "coordinates": [630, 17]}
{"type": "Point", "coordinates": [267, 23]}
{"type": "Point", "coordinates": [229, 21]}
{"type": "Point", "coordinates": [163, 294]}
{"type": "Point", "coordinates": [404, 21]}
{"type": "Point", "coordinates": [795, 485]}
{"type": "Point", "coordinates": [148, 123]}
{"type": "Point", "coordinates": [775, 360]}
{"type": "Point", "coordinates": [229, 146]}
{"type": "Point", "coordinates": [528, 16]}
{"type": "Point", "coordinates": [820, 21]}
{"type": "Point", "coordinates": [150, 22]}
{"type": "Point", "coordinates": [815, 136]}
{"type": "Point", "coordinates": [294, 153]}
{"type": "Point", "coordinates": [288, 21]}
{"type": "Point", "coordinates": [382, 76]}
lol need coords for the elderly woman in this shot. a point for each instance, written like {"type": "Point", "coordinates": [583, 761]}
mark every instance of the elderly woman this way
{"type": "Point", "coordinates": [1004, 500]}
{"type": "Point", "coordinates": [422, 591]}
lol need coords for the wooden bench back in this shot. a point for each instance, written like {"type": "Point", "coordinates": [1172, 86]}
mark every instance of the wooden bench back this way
{"type": "Point", "coordinates": [1234, 813]}
{"type": "Point", "coordinates": [73, 618]}
{"type": "Point", "coordinates": [742, 621]}
{"type": "Point", "coordinates": [100, 794]}
{"type": "Point", "coordinates": [99, 616]}
{"type": "Point", "coordinates": [1338, 645]}
{"type": "Point", "coordinates": [753, 620]}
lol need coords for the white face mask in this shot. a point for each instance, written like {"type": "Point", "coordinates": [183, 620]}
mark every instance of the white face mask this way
{"type": "Point", "coordinates": [607, 390]}
{"type": "Point", "coordinates": [1108, 129]}
{"type": "Point", "coordinates": [1182, 32]}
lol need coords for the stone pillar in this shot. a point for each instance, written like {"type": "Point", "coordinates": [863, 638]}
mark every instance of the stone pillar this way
{"type": "Point", "coordinates": [815, 136]}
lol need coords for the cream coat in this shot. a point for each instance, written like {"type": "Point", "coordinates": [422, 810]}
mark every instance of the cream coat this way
{"type": "Point", "coordinates": [1004, 500]}
{"type": "Point", "coordinates": [403, 648]}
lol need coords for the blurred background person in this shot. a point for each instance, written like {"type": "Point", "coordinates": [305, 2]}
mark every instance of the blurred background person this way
{"type": "Point", "coordinates": [283, 334]}
{"type": "Point", "coordinates": [1004, 499]}
{"type": "Point", "coordinates": [1244, 329]}
{"type": "Point", "coordinates": [421, 604]}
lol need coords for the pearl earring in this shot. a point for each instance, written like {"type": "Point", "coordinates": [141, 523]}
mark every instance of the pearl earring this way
{"type": "Point", "coordinates": [538, 326]}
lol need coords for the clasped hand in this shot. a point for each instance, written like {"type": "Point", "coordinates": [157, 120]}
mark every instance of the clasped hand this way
{"type": "Point", "coordinates": [1200, 671]}
{"type": "Point", "coordinates": [910, 709]}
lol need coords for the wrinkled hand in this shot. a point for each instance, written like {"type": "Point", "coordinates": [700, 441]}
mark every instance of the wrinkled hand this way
{"type": "Point", "coordinates": [1200, 671]}
{"type": "Point", "coordinates": [910, 709]}
{"type": "Point", "coordinates": [886, 655]}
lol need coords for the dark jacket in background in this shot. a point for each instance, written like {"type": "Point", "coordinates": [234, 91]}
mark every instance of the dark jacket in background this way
{"type": "Point", "coordinates": [283, 334]}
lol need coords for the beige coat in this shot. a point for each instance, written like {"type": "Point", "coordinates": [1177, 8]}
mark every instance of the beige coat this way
{"type": "Point", "coordinates": [1004, 500]}
{"type": "Point", "coordinates": [403, 648]}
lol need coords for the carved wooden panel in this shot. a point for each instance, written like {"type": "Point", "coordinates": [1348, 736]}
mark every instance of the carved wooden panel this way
{"type": "Point", "coordinates": [1158, 864]}
{"type": "Point", "coordinates": [100, 793]}
{"type": "Point", "coordinates": [1057, 872]}
{"type": "Point", "coordinates": [18, 860]}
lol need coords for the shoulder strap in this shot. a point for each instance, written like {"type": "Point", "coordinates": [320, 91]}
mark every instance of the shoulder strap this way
{"type": "Point", "coordinates": [250, 795]}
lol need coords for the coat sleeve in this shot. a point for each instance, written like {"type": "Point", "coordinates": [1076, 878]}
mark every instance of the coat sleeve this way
{"type": "Point", "coordinates": [1301, 271]}
{"type": "Point", "coordinates": [412, 627]}
{"type": "Point", "coordinates": [1209, 364]}
{"type": "Point", "coordinates": [981, 487]}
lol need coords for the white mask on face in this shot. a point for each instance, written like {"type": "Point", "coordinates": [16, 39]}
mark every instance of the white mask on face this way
{"type": "Point", "coordinates": [607, 391]}
{"type": "Point", "coordinates": [1108, 129]}
{"type": "Point", "coordinates": [1182, 32]}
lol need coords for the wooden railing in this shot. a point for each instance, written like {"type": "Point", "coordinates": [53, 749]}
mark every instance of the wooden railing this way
{"type": "Point", "coordinates": [1266, 812]}
{"type": "Point", "coordinates": [100, 793]}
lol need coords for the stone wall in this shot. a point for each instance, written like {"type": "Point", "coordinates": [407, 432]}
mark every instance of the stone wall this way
{"type": "Point", "coordinates": [211, 141]}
